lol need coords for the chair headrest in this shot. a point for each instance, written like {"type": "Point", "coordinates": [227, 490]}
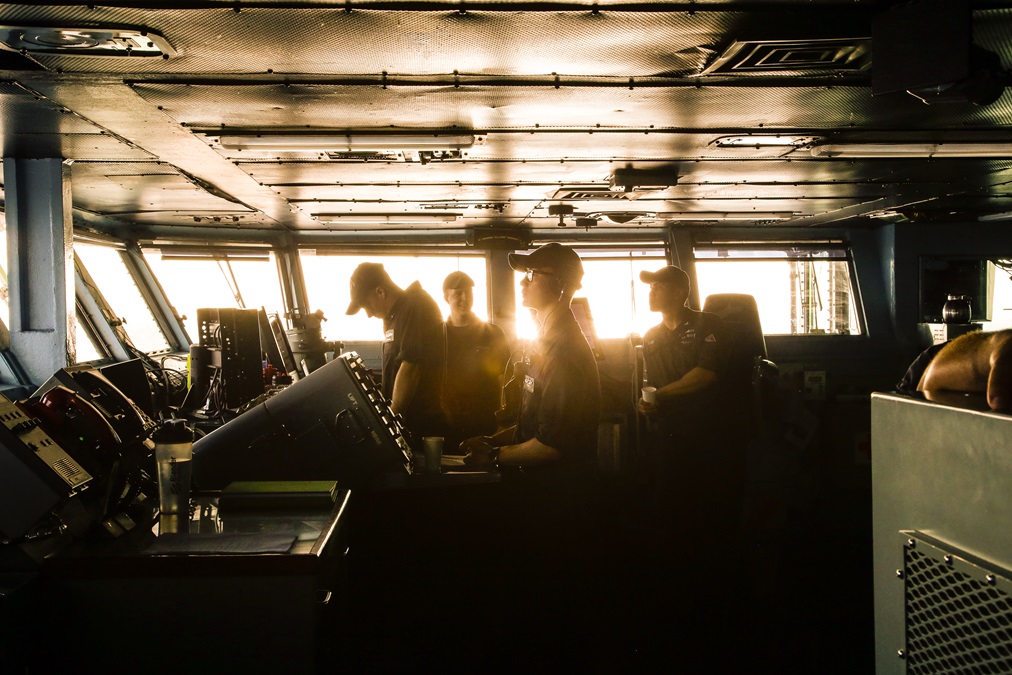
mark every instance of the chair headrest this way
{"type": "Point", "coordinates": [741, 316]}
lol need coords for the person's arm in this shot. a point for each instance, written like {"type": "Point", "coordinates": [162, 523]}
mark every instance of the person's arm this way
{"type": "Point", "coordinates": [497, 440]}
{"type": "Point", "coordinates": [963, 365]}
{"type": "Point", "coordinates": [695, 380]}
{"type": "Point", "coordinates": [999, 380]}
{"type": "Point", "coordinates": [405, 385]}
{"type": "Point", "coordinates": [531, 452]}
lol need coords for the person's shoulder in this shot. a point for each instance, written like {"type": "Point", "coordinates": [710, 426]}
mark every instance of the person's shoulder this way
{"type": "Point", "coordinates": [702, 315]}
{"type": "Point", "coordinates": [421, 297]}
{"type": "Point", "coordinates": [1000, 337]}
{"type": "Point", "coordinates": [416, 290]}
{"type": "Point", "coordinates": [571, 344]}
{"type": "Point", "coordinates": [709, 321]}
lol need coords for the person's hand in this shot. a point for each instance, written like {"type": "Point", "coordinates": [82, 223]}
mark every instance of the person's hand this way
{"type": "Point", "coordinates": [646, 408]}
{"type": "Point", "coordinates": [477, 451]}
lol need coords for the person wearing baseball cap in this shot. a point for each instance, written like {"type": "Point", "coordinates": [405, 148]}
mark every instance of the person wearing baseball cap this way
{"type": "Point", "coordinates": [548, 462]}
{"type": "Point", "coordinates": [476, 356]}
{"type": "Point", "coordinates": [556, 431]}
{"type": "Point", "coordinates": [562, 261]}
{"type": "Point", "coordinates": [412, 346]}
{"type": "Point", "coordinates": [698, 475]}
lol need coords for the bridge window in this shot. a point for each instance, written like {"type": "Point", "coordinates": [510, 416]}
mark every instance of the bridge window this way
{"type": "Point", "coordinates": [244, 280]}
{"type": "Point", "coordinates": [110, 273]}
{"type": "Point", "coordinates": [1001, 313]}
{"type": "Point", "coordinates": [86, 349]}
{"type": "Point", "coordinates": [327, 278]}
{"type": "Point", "coordinates": [800, 289]}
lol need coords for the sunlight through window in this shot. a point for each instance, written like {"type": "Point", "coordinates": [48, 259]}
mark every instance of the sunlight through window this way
{"type": "Point", "coordinates": [800, 290]}
{"type": "Point", "coordinates": [327, 283]}
{"type": "Point", "coordinates": [195, 284]}
{"type": "Point", "coordinates": [109, 271]}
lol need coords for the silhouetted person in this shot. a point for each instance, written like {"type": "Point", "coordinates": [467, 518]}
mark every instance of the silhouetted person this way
{"type": "Point", "coordinates": [546, 572]}
{"type": "Point", "coordinates": [412, 346]}
{"type": "Point", "coordinates": [476, 355]}
{"type": "Point", "coordinates": [697, 467]}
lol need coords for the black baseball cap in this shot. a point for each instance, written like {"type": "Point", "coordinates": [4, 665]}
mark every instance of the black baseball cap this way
{"type": "Point", "coordinates": [366, 278]}
{"type": "Point", "coordinates": [563, 260]}
{"type": "Point", "coordinates": [666, 275]}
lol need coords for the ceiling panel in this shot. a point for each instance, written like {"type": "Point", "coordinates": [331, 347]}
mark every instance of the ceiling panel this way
{"type": "Point", "coordinates": [563, 96]}
{"type": "Point", "coordinates": [123, 189]}
{"type": "Point", "coordinates": [504, 107]}
{"type": "Point", "coordinates": [571, 40]}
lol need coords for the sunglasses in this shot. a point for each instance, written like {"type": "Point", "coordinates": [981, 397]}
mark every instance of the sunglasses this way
{"type": "Point", "coordinates": [531, 272]}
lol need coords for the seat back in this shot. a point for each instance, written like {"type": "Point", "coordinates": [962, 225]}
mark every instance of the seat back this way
{"type": "Point", "coordinates": [751, 377]}
{"type": "Point", "coordinates": [741, 319]}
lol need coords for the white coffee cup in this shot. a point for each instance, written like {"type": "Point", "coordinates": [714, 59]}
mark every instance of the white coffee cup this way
{"type": "Point", "coordinates": [649, 394]}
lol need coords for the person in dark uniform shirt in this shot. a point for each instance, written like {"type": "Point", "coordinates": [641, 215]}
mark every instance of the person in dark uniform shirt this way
{"type": "Point", "coordinates": [412, 347]}
{"type": "Point", "coordinates": [700, 473]}
{"type": "Point", "coordinates": [561, 398]}
{"type": "Point", "coordinates": [476, 356]}
{"type": "Point", "coordinates": [546, 567]}
{"type": "Point", "coordinates": [697, 463]}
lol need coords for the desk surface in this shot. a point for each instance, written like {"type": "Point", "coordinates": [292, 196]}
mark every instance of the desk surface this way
{"type": "Point", "coordinates": [246, 540]}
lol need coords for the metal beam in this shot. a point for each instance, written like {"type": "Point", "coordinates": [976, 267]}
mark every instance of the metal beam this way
{"type": "Point", "coordinates": [293, 284]}
{"type": "Point", "coordinates": [107, 103]}
{"type": "Point", "coordinates": [41, 259]}
{"type": "Point", "coordinates": [151, 290]}
{"type": "Point", "coordinates": [501, 293]}
{"type": "Point", "coordinates": [106, 328]}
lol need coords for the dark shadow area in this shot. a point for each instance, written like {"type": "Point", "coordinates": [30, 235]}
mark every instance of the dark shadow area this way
{"type": "Point", "coordinates": [453, 579]}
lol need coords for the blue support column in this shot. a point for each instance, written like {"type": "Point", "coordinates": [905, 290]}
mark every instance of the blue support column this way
{"type": "Point", "coordinates": [40, 251]}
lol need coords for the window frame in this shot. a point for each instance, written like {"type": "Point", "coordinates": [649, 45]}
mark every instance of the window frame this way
{"type": "Point", "coordinates": [797, 255]}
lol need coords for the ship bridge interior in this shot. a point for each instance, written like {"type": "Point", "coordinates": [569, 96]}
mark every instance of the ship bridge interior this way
{"type": "Point", "coordinates": [273, 144]}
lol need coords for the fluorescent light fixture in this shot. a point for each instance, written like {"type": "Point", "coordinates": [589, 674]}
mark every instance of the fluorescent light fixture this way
{"type": "Point", "coordinates": [386, 218]}
{"type": "Point", "coordinates": [764, 141]}
{"type": "Point", "coordinates": [726, 215]}
{"type": "Point", "coordinates": [621, 217]}
{"type": "Point", "coordinates": [243, 256]}
{"type": "Point", "coordinates": [900, 150]}
{"type": "Point", "coordinates": [995, 217]}
{"type": "Point", "coordinates": [345, 142]}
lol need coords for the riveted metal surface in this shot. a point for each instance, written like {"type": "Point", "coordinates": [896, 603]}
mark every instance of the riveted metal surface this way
{"type": "Point", "coordinates": [495, 40]}
{"type": "Point", "coordinates": [565, 92]}
{"type": "Point", "coordinates": [82, 147]}
{"type": "Point", "coordinates": [207, 107]}
{"type": "Point", "coordinates": [22, 113]}
{"type": "Point", "coordinates": [122, 189]}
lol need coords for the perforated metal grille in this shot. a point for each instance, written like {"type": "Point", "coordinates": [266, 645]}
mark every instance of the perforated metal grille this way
{"type": "Point", "coordinates": [956, 623]}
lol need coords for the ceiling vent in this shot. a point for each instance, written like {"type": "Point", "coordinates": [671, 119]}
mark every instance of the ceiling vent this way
{"type": "Point", "coordinates": [80, 41]}
{"type": "Point", "coordinates": [596, 193]}
{"type": "Point", "coordinates": [417, 156]}
{"type": "Point", "coordinates": [390, 156]}
{"type": "Point", "coordinates": [779, 57]}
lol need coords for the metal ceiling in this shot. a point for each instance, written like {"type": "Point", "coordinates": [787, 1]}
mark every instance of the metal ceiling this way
{"type": "Point", "coordinates": [561, 95]}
